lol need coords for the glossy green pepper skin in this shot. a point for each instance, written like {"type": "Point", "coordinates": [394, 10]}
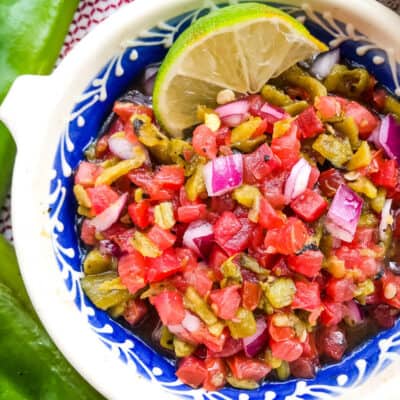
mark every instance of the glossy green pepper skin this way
{"type": "Point", "coordinates": [31, 35]}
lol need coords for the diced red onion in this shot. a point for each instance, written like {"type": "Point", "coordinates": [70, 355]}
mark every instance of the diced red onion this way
{"type": "Point", "coordinates": [110, 215]}
{"type": "Point", "coordinates": [324, 63]}
{"type": "Point", "coordinates": [276, 113]}
{"type": "Point", "coordinates": [234, 120]}
{"type": "Point", "coordinates": [121, 147]}
{"type": "Point", "coordinates": [387, 136]}
{"type": "Point", "coordinates": [344, 214]}
{"type": "Point", "coordinates": [352, 312]}
{"type": "Point", "coordinates": [108, 247]}
{"type": "Point", "coordinates": [386, 218]}
{"type": "Point", "coordinates": [223, 174]}
{"type": "Point", "coordinates": [191, 322]}
{"type": "Point", "coordinates": [199, 237]}
{"type": "Point", "coordinates": [253, 344]}
{"type": "Point", "coordinates": [298, 179]}
{"type": "Point", "coordinates": [149, 78]}
{"type": "Point", "coordinates": [234, 113]}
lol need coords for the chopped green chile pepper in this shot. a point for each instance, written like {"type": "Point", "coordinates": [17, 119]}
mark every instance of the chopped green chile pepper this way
{"type": "Point", "coordinates": [392, 106]}
{"type": "Point", "coordinates": [246, 195]}
{"type": "Point", "coordinates": [363, 290]}
{"type": "Point", "coordinates": [335, 266]}
{"type": "Point", "coordinates": [283, 371]}
{"type": "Point", "coordinates": [243, 325]}
{"type": "Point", "coordinates": [104, 296]}
{"type": "Point", "coordinates": [82, 197]}
{"type": "Point", "coordinates": [217, 328]}
{"type": "Point", "coordinates": [117, 310]}
{"type": "Point", "coordinates": [195, 185]}
{"type": "Point", "coordinates": [145, 246]}
{"type": "Point", "coordinates": [111, 174]}
{"type": "Point", "coordinates": [272, 361]}
{"type": "Point", "coordinates": [195, 303]}
{"type": "Point", "coordinates": [350, 83]}
{"type": "Point", "coordinates": [275, 96]}
{"type": "Point", "coordinates": [242, 383]}
{"type": "Point", "coordinates": [349, 128]}
{"type": "Point", "coordinates": [379, 201]}
{"type": "Point", "coordinates": [280, 293]}
{"type": "Point", "coordinates": [364, 186]}
{"type": "Point", "coordinates": [245, 130]}
{"type": "Point", "coordinates": [335, 149]}
{"type": "Point", "coordinates": [96, 263]}
{"type": "Point", "coordinates": [368, 220]}
{"type": "Point", "coordinates": [164, 215]}
{"type": "Point", "coordinates": [166, 338]}
{"type": "Point", "coordinates": [295, 76]}
{"type": "Point", "coordinates": [177, 148]}
{"type": "Point", "coordinates": [250, 145]}
{"type": "Point", "coordinates": [362, 157]}
{"type": "Point", "coordinates": [183, 349]}
{"type": "Point", "coordinates": [231, 270]}
{"type": "Point", "coordinates": [251, 264]}
{"type": "Point", "coordinates": [296, 108]}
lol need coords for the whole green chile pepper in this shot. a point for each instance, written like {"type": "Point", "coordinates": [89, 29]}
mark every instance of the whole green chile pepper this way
{"type": "Point", "coordinates": [31, 35]}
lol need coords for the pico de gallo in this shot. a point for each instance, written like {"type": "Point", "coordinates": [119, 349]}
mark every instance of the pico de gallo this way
{"type": "Point", "coordinates": [264, 244]}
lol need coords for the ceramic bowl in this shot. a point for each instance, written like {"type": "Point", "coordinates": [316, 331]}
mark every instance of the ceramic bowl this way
{"type": "Point", "coordinates": [63, 112]}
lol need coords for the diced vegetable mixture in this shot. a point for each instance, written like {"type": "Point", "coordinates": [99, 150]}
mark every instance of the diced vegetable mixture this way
{"type": "Point", "coordinates": [264, 244]}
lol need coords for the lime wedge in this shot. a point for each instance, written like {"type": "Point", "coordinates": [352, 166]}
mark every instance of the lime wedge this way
{"type": "Point", "coordinates": [239, 47]}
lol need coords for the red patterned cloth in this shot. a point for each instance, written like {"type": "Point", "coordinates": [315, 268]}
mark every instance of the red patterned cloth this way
{"type": "Point", "coordinates": [87, 16]}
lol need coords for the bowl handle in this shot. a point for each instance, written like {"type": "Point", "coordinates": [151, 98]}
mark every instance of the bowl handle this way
{"type": "Point", "coordinates": [29, 100]}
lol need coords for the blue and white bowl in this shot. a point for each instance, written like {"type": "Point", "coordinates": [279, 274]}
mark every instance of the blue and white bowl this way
{"type": "Point", "coordinates": [63, 113]}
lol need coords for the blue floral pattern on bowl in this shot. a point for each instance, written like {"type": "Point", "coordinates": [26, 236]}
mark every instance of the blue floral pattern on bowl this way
{"type": "Point", "coordinates": [85, 121]}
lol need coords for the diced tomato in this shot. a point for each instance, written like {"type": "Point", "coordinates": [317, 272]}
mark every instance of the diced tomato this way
{"type": "Point", "coordinates": [279, 333]}
{"type": "Point", "coordinates": [216, 374]}
{"type": "Point", "coordinates": [331, 342]}
{"type": "Point", "coordinates": [273, 188]}
{"type": "Point", "coordinates": [259, 164]}
{"type": "Point", "coordinates": [251, 295]}
{"type": "Point", "coordinates": [199, 279]}
{"type": "Point", "coordinates": [332, 313]}
{"type": "Point", "coordinates": [364, 119]}
{"type": "Point", "coordinates": [192, 371]}
{"type": "Point", "coordinates": [328, 107]}
{"type": "Point", "coordinates": [248, 368]}
{"type": "Point", "coordinates": [225, 302]}
{"type": "Point", "coordinates": [241, 240]}
{"type": "Point", "coordinates": [213, 343]}
{"type": "Point", "coordinates": [204, 142]}
{"type": "Point", "coordinates": [340, 290]}
{"type": "Point", "coordinates": [169, 306]}
{"type": "Point", "coordinates": [140, 213]}
{"type": "Point", "coordinates": [126, 109]}
{"type": "Point", "coordinates": [313, 179]}
{"type": "Point", "coordinates": [132, 271]}
{"type": "Point", "coordinates": [288, 239]}
{"type": "Point", "coordinates": [226, 227]}
{"type": "Point", "coordinates": [101, 197]}
{"type": "Point", "coordinates": [310, 347]}
{"type": "Point", "coordinates": [170, 177]}
{"type": "Point", "coordinates": [187, 259]}
{"type": "Point", "coordinates": [217, 257]}
{"type": "Point", "coordinates": [387, 174]}
{"type": "Point", "coordinates": [287, 148]}
{"type": "Point", "coordinates": [163, 238]}
{"type": "Point", "coordinates": [87, 174]}
{"type": "Point", "coordinates": [379, 98]}
{"type": "Point", "coordinates": [135, 310]}
{"type": "Point", "coordinates": [330, 181]}
{"type": "Point", "coordinates": [307, 296]}
{"type": "Point", "coordinates": [231, 347]}
{"type": "Point", "coordinates": [394, 281]}
{"type": "Point", "coordinates": [192, 212]}
{"type": "Point", "coordinates": [309, 124]}
{"type": "Point", "coordinates": [163, 266]}
{"type": "Point", "coordinates": [308, 263]}
{"type": "Point", "coordinates": [287, 350]}
{"type": "Point", "coordinates": [298, 93]}
{"type": "Point", "coordinates": [309, 206]}
{"type": "Point", "coordinates": [219, 204]}
{"type": "Point", "coordinates": [281, 268]}
{"type": "Point", "coordinates": [268, 217]}
{"type": "Point", "coordinates": [364, 238]}
{"type": "Point", "coordinates": [88, 233]}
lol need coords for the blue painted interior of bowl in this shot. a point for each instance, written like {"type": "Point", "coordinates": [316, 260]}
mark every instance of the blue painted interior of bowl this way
{"type": "Point", "coordinates": [86, 120]}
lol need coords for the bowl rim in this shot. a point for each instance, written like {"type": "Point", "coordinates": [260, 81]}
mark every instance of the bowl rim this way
{"type": "Point", "coordinates": [29, 177]}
